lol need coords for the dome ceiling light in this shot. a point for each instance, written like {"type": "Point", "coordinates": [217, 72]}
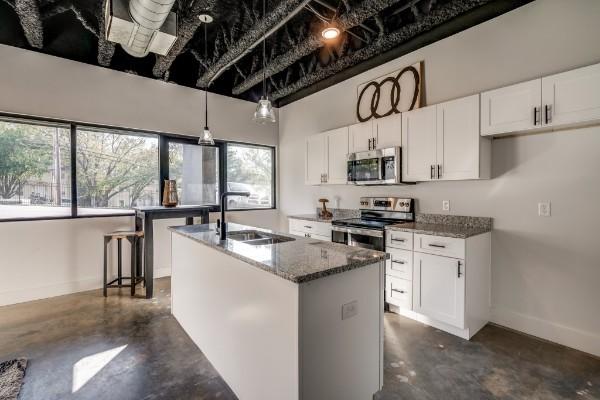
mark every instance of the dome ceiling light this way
{"type": "Point", "coordinates": [330, 32]}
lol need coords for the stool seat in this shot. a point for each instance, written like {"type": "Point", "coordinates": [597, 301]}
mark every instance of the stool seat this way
{"type": "Point", "coordinates": [133, 237]}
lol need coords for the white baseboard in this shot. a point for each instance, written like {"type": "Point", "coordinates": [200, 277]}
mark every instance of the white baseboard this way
{"type": "Point", "coordinates": [162, 272]}
{"type": "Point", "coordinates": [586, 341]}
{"type": "Point", "coordinates": [43, 292]}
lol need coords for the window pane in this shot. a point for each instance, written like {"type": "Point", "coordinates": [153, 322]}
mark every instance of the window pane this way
{"type": "Point", "coordinates": [115, 172]}
{"type": "Point", "coordinates": [196, 170]}
{"type": "Point", "coordinates": [250, 169]}
{"type": "Point", "coordinates": [35, 174]}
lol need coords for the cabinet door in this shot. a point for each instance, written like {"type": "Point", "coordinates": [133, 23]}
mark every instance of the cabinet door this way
{"type": "Point", "coordinates": [571, 97]}
{"type": "Point", "coordinates": [418, 144]}
{"type": "Point", "coordinates": [360, 134]}
{"type": "Point", "coordinates": [458, 139]}
{"type": "Point", "coordinates": [389, 131]}
{"type": "Point", "coordinates": [337, 156]}
{"type": "Point", "coordinates": [315, 159]}
{"type": "Point", "coordinates": [439, 288]}
{"type": "Point", "coordinates": [511, 109]}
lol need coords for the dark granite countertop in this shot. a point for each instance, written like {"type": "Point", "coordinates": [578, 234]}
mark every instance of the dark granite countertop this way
{"type": "Point", "coordinates": [455, 231]}
{"type": "Point", "coordinates": [300, 260]}
{"type": "Point", "coordinates": [310, 217]}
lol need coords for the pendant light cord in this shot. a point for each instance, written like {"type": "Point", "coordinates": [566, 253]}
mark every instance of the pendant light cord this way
{"type": "Point", "coordinates": [264, 53]}
{"type": "Point", "coordinates": [206, 88]}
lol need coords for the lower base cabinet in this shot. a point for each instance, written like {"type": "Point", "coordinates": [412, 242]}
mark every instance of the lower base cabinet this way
{"type": "Point", "coordinates": [443, 282]}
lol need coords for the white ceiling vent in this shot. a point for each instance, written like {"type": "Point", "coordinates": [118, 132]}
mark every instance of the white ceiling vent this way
{"type": "Point", "coordinates": [141, 26]}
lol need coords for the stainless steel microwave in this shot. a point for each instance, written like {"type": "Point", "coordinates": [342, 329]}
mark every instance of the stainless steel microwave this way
{"type": "Point", "coordinates": [376, 167]}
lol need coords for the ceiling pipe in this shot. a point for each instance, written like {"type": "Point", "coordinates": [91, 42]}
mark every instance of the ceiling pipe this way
{"type": "Point", "coordinates": [272, 30]}
{"type": "Point", "coordinates": [149, 17]}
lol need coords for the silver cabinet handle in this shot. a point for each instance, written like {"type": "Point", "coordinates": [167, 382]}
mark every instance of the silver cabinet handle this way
{"type": "Point", "coordinates": [548, 113]}
{"type": "Point", "coordinates": [440, 246]}
{"type": "Point", "coordinates": [398, 240]}
{"type": "Point", "coordinates": [374, 143]}
{"type": "Point", "coordinates": [308, 226]}
{"type": "Point", "coordinates": [369, 144]}
{"type": "Point", "coordinates": [398, 262]}
{"type": "Point", "coordinates": [439, 171]}
{"type": "Point", "coordinates": [458, 268]}
{"type": "Point", "coordinates": [432, 171]}
{"type": "Point", "coordinates": [398, 291]}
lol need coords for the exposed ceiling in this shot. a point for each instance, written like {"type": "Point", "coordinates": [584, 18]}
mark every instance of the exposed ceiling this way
{"type": "Point", "coordinates": [298, 61]}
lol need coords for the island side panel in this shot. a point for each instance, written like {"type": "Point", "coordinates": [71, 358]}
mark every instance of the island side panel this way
{"type": "Point", "coordinates": [243, 319]}
{"type": "Point", "coordinates": [342, 359]}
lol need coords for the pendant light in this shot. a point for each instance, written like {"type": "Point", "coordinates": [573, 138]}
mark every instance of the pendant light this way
{"type": "Point", "coordinates": [207, 138]}
{"type": "Point", "coordinates": [264, 110]}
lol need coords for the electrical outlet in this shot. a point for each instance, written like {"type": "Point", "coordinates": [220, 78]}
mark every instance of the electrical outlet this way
{"type": "Point", "coordinates": [349, 310]}
{"type": "Point", "coordinates": [446, 205]}
{"type": "Point", "coordinates": [544, 209]}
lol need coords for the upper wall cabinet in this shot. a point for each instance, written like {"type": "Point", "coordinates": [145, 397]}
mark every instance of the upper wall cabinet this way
{"type": "Point", "coordinates": [566, 99]}
{"type": "Point", "coordinates": [571, 97]}
{"type": "Point", "coordinates": [376, 133]}
{"type": "Point", "coordinates": [442, 142]}
{"type": "Point", "coordinates": [511, 109]}
{"type": "Point", "coordinates": [326, 157]}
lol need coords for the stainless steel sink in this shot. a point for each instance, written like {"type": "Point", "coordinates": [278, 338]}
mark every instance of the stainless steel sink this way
{"type": "Point", "coordinates": [257, 238]}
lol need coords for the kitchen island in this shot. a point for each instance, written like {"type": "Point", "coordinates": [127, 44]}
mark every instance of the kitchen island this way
{"type": "Point", "coordinates": [281, 317]}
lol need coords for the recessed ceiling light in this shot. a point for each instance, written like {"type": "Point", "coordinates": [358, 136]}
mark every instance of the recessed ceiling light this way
{"type": "Point", "coordinates": [330, 33]}
{"type": "Point", "coordinates": [207, 19]}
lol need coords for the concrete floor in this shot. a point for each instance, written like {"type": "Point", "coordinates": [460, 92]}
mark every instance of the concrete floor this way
{"type": "Point", "coordinates": [83, 346]}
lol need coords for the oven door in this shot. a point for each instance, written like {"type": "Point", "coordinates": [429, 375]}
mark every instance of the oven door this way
{"type": "Point", "coordinates": [366, 239]}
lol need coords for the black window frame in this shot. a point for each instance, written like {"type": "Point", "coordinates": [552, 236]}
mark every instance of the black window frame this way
{"type": "Point", "coordinates": [164, 138]}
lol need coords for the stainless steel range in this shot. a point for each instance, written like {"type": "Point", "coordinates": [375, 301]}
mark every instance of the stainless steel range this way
{"type": "Point", "coordinates": [376, 213]}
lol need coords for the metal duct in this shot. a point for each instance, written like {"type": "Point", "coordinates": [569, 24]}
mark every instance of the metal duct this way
{"type": "Point", "coordinates": [141, 26]}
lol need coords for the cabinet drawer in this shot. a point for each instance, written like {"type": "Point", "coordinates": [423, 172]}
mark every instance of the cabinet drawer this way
{"type": "Point", "coordinates": [317, 228]}
{"type": "Point", "coordinates": [400, 264]}
{"type": "Point", "coordinates": [443, 246]}
{"type": "Point", "coordinates": [399, 239]}
{"type": "Point", "coordinates": [398, 292]}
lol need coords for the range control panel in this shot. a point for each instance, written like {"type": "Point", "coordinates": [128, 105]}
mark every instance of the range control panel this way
{"type": "Point", "coordinates": [387, 204]}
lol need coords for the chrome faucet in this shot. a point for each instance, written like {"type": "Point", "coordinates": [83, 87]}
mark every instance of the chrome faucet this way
{"type": "Point", "coordinates": [222, 226]}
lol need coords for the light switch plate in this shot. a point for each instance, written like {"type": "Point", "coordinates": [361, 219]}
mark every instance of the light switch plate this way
{"type": "Point", "coordinates": [445, 205]}
{"type": "Point", "coordinates": [349, 310]}
{"type": "Point", "coordinates": [544, 209]}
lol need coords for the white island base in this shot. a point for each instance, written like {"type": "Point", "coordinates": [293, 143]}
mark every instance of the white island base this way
{"type": "Point", "coordinates": [271, 338]}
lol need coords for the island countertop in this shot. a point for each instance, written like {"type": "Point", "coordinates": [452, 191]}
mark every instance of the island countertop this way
{"type": "Point", "coordinates": [300, 260]}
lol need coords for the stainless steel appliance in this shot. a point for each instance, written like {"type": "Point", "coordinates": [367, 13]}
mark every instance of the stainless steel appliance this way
{"type": "Point", "coordinates": [376, 213]}
{"type": "Point", "coordinates": [376, 167]}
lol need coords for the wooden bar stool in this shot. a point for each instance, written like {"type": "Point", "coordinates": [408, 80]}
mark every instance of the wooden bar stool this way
{"type": "Point", "coordinates": [136, 239]}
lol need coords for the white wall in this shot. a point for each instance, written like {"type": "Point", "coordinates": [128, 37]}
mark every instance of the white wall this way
{"type": "Point", "coordinates": [47, 258]}
{"type": "Point", "coordinates": [545, 270]}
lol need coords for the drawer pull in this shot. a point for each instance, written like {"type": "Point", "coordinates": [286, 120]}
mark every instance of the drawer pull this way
{"type": "Point", "coordinates": [398, 240]}
{"type": "Point", "coordinates": [308, 226]}
{"type": "Point", "coordinates": [439, 246]}
{"type": "Point", "coordinates": [398, 262]}
{"type": "Point", "coordinates": [398, 291]}
{"type": "Point", "coordinates": [459, 273]}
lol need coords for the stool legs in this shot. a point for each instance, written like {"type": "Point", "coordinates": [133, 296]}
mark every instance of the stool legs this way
{"type": "Point", "coordinates": [133, 241]}
{"type": "Point", "coordinates": [106, 241]}
{"type": "Point", "coordinates": [119, 262]}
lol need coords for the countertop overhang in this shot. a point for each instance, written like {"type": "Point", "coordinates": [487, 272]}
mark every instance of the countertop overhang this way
{"type": "Point", "coordinates": [301, 260]}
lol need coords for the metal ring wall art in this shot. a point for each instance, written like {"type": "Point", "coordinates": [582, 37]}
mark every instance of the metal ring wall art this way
{"type": "Point", "coordinates": [394, 94]}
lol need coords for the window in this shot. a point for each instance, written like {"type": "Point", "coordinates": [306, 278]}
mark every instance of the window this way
{"type": "Point", "coordinates": [35, 172]}
{"type": "Point", "coordinates": [115, 171]}
{"type": "Point", "coordinates": [44, 163]}
{"type": "Point", "coordinates": [250, 169]}
{"type": "Point", "coordinates": [196, 170]}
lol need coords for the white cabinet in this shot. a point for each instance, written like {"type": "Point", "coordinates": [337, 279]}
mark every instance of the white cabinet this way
{"type": "Point", "coordinates": [419, 144]}
{"type": "Point", "coordinates": [377, 133]}
{"type": "Point", "coordinates": [315, 159]}
{"type": "Point", "coordinates": [461, 152]}
{"type": "Point", "coordinates": [511, 109]}
{"type": "Point", "coordinates": [389, 131]}
{"type": "Point", "coordinates": [361, 136]}
{"type": "Point", "coordinates": [337, 156]}
{"type": "Point", "coordinates": [439, 288]}
{"type": "Point", "coordinates": [326, 157]}
{"type": "Point", "coordinates": [310, 229]}
{"type": "Point", "coordinates": [442, 142]}
{"type": "Point", "coordinates": [567, 99]}
{"type": "Point", "coordinates": [571, 97]}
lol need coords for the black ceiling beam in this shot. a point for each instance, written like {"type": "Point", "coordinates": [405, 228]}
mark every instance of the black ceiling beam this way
{"type": "Point", "coordinates": [464, 21]}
